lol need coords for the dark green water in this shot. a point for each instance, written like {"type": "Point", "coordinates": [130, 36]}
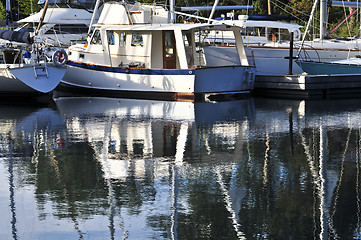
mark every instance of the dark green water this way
{"type": "Point", "coordinates": [102, 168]}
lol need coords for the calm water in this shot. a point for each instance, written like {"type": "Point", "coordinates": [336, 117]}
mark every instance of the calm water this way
{"type": "Point", "coordinates": [98, 168]}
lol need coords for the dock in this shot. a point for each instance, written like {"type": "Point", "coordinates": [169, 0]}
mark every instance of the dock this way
{"type": "Point", "coordinates": [303, 86]}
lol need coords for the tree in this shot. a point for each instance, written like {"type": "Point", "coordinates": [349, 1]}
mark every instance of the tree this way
{"type": "Point", "coordinates": [2, 11]}
{"type": "Point", "coordinates": [27, 7]}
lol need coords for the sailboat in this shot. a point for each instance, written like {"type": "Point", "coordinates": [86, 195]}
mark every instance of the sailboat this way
{"type": "Point", "coordinates": [63, 24]}
{"type": "Point", "coordinates": [136, 51]}
{"type": "Point", "coordinates": [25, 70]}
{"type": "Point", "coordinates": [271, 55]}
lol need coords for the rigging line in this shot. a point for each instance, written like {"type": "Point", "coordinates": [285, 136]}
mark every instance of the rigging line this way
{"type": "Point", "coordinates": [294, 9]}
{"type": "Point", "coordinates": [290, 13]}
{"type": "Point", "coordinates": [104, 159]}
{"type": "Point", "coordinates": [55, 165]}
{"type": "Point", "coordinates": [358, 160]}
{"type": "Point", "coordinates": [265, 164]}
{"type": "Point", "coordinates": [12, 191]}
{"type": "Point", "coordinates": [228, 202]}
{"type": "Point", "coordinates": [337, 190]}
{"type": "Point", "coordinates": [106, 168]}
{"type": "Point", "coordinates": [174, 206]}
{"type": "Point", "coordinates": [315, 176]}
{"type": "Point", "coordinates": [321, 173]}
{"type": "Point", "coordinates": [310, 161]}
{"type": "Point", "coordinates": [347, 23]}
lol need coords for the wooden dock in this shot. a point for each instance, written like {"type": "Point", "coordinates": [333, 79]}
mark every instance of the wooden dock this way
{"type": "Point", "coordinates": [308, 86]}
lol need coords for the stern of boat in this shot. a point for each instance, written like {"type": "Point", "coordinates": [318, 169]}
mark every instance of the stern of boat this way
{"type": "Point", "coordinates": [223, 80]}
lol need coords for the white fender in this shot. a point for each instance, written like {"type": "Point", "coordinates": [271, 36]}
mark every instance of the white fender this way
{"type": "Point", "coordinates": [60, 57]}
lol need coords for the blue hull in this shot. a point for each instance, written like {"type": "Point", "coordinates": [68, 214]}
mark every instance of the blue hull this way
{"type": "Point", "coordinates": [322, 68]}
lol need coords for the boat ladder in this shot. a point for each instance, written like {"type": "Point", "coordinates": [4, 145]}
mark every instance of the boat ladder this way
{"type": "Point", "coordinates": [40, 70]}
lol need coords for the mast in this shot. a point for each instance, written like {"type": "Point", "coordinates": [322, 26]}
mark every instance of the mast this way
{"type": "Point", "coordinates": [171, 3]}
{"type": "Point", "coordinates": [323, 18]}
{"type": "Point", "coordinates": [269, 7]}
{"type": "Point", "coordinates": [42, 16]}
{"type": "Point", "coordinates": [308, 25]}
{"type": "Point", "coordinates": [213, 10]}
{"type": "Point", "coordinates": [93, 16]}
{"type": "Point", "coordinates": [8, 14]}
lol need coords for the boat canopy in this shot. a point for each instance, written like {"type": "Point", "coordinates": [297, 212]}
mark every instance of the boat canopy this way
{"type": "Point", "coordinates": [160, 27]}
{"type": "Point", "coordinates": [60, 16]}
{"type": "Point", "coordinates": [16, 36]}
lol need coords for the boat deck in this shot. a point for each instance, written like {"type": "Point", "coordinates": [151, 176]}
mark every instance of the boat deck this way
{"type": "Point", "coordinates": [308, 86]}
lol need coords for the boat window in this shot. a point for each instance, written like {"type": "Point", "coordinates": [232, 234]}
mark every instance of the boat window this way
{"type": "Point", "coordinates": [273, 34]}
{"type": "Point", "coordinates": [68, 29]}
{"type": "Point", "coordinates": [169, 44]}
{"type": "Point", "coordinates": [110, 36]}
{"type": "Point", "coordinates": [254, 31]}
{"type": "Point", "coordinates": [122, 39]}
{"type": "Point", "coordinates": [137, 39]}
{"type": "Point", "coordinates": [96, 38]}
{"type": "Point", "coordinates": [285, 35]}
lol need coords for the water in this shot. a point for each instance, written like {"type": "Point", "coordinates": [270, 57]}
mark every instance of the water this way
{"type": "Point", "coordinates": [102, 168]}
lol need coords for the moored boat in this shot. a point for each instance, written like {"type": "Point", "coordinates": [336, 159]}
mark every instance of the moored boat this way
{"type": "Point", "coordinates": [35, 77]}
{"type": "Point", "coordinates": [135, 52]}
{"type": "Point", "coordinates": [25, 69]}
{"type": "Point", "coordinates": [345, 66]}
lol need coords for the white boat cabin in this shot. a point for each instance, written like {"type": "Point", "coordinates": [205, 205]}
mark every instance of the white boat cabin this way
{"type": "Point", "coordinates": [134, 42]}
{"type": "Point", "coordinates": [258, 32]}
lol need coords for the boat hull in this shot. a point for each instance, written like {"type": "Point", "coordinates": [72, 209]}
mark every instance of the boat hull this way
{"type": "Point", "coordinates": [21, 80]}
{"type": "Point", "coordinates": [275, 61]}
{"type": "Point", "coordinates": [158, 84]}
{"type": "Point", "coordinates": [325, 68]}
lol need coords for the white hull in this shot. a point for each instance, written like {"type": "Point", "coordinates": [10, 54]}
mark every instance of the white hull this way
{"type": "Point", "coordinates": [21, 80]}
{"type": "Point", "coordinates": [156, 60]}
{"type": "Point", "coordinates": [172, 83]}
{"type": "Point", "coordinates": [274, 60]}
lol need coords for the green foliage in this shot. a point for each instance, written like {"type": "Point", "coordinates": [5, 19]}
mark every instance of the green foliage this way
{"type": "Point", "coordinates": [28, 7]}
{"type": "Point", "coordinates": [2, 11]}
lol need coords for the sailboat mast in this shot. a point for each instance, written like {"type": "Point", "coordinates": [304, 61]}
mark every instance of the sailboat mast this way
{"type": "Point", "coordinates": [93, 15]}
{"type": "Point", "coordinates": [171, 3]}
{"type": "Point", "coordinates": [213, 10]}
{"type": "Point", "coordinates": [8, 14]}
{"type": "Point", "coordinates": [45, 8]}
{"type": "Point", "coordinates": [323, 18]}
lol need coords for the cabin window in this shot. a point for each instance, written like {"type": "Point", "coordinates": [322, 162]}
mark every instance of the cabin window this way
{"type": "Point", "coordinates": [122, 39]}
{"type": "Point", "coordinates": [68, 28]}
{"type": "Point", "coordinates": [137, 39]}
{"type": "Point", "coordinates": [273, 34]}
{"type": "Point", "coordinates": [285, 35]}
{"type": "Point", "coordinates": [254, 31]}
{"type": "Point", "coordinates": [110, 36]}
{"type": "Point", "coordinates": [96, 39]}
{"type": "Point", "coordinates": [169, 44]}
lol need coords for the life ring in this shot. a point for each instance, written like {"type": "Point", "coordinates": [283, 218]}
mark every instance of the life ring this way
{"type": "Point", "coordinates": [59, 57]}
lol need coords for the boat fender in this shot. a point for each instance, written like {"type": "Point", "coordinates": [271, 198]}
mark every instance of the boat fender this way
{"type": "Point", "coordinates": [60, 57]}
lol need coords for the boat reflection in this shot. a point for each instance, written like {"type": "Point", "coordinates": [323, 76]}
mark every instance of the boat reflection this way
{"type": "Point", "coordinates": [139, 129]}
{"type": "Point", "coordinates": [142, 145]}
{"type": "Point", "coordinates": [137, 169]}
{"type": "Point", "coordinates": [21, 128]}
{"type": "Point", "coordinates": [325, 136]}
{"type": "Point", "coordinates": [139, 144]}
